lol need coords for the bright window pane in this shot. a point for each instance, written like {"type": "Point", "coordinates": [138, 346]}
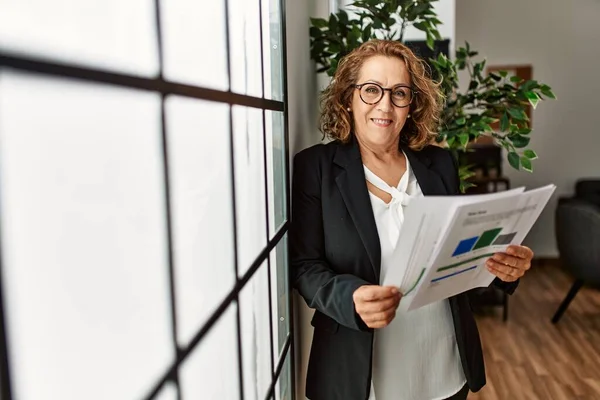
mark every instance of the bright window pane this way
{"type": "Point", "coordinates": [194, 41]}
{"type": "Point", "coordinates": [280, 295]}
{"type": "Point", "coordinates": [168, 392]}
{"type": "Point", "coordinates": [201, 200]}
{"type": "Point", "coordinates": [211, 370]}
{"type": "Point", "coordinates": [108, 34]}
{"type": "Point", "coordinates": [244, 42]}
{"type": "Point", "coordinates": [256, 335]}
{"type": "Point", "coordinates": [276, 170]}
{"type": "Point", "coordinates": [283, 387]}
{"type": "Point", "coordinates": [85, 269]}
{"type": "Point", "coordinates": [249, 185]}
{"type": "Point", "coordinates": [272, 49]}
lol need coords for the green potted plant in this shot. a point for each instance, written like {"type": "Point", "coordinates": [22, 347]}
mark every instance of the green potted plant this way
{"type": "Point", "coordinates": [495, 99]}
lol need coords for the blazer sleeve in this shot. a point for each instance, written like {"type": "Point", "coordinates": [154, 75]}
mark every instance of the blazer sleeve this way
{"type": "Point", "coordinates": [508, 287]}
{"type": "Point", "coordinates": [322, 288]}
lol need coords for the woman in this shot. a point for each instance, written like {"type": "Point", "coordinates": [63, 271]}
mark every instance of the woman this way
{"type": "Point", "coordinates": [348, 196]}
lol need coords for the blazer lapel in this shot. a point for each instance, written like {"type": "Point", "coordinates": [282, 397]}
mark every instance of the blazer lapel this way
{"type": "Point", "coordinates": [430, 182]}
{"type": "Point", "coordinates": [352, 185]}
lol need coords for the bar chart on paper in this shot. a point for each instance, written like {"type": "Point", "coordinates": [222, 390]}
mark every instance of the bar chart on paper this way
{"type": "Point", "coordinates": [465, 262]}
{"type": "Point", "coordinates": [487, 238]}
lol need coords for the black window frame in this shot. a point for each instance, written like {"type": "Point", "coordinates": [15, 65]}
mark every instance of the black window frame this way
{"type": "Point", "coordinates": [164, 87]}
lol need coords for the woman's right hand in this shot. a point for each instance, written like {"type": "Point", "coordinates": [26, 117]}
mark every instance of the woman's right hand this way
{"type": "Point", "coordinates": [376, 305]}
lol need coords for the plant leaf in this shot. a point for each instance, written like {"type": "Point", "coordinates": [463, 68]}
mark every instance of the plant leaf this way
{"type": "Point", "coordinates": [524, 131]}
{"type": "Point", "coordinates": [420, 8]}
{"type": "Point", "coordinates": [514, 160]}
{"type": "Point", "coordinates": [530, 154]}
{"type": "Point", "coordinates": [515, 79]}
{"type": "Point", "coordinates": [332, 23]}
{"type": "Point", "coordinates": [442, 60]}
{"type": "Point", "coordinates": [518, 114]}
{"type": "Point", "coordinates": [343, 17]}
{"type": "Point", "coordinates": [331, 70]}
{"type": "Point", "coordinates": [530, 84]}
{"type": "Point", "coordinates": [334, 47]}
{"type": "Point", "coordinates": [422, 26]}
{"type": "Point", "coordinates": [319, 22]}
{"type": "Point", "coordinates": [548, 93]}
{"type": "Point", "coordinates": [520, 141]}
{"type": "Point", "coordinates": [464, 139]}
{"type": "Point", "coordinates": [504, 122]}
{"type": "Point", "coordinates": [464, 185]}
{"type": "Point", "coordinates": [377, 23]}
{"type": "Point", "coordinates": [366, 33]}
{"type": "Point", "coordinates": [526, 164]}
{"type": "Point", "coordinates": [533, 99]}
{"type": "Point", "coordinates": [430, 41]}
{"type": "Point", "coordinates": [314, 32]}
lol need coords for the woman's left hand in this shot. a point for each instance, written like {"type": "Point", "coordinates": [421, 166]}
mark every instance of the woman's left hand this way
{"type": "Point", "coordinates": [511, 265]}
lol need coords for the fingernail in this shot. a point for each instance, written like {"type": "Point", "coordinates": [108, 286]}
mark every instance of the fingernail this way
{"type": "Point", "coordinates": [394, 291]}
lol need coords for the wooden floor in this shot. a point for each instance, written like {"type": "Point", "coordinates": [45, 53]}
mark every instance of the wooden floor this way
{"type": "Point", "coordinates": [530, 358]}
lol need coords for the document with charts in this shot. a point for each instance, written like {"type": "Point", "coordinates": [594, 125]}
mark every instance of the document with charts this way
{"type": "Point", "coordinates": [446, 240]}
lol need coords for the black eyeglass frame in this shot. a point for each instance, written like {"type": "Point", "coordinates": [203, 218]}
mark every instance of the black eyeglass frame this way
{"type": "Point", "coordinates": [383, 90]}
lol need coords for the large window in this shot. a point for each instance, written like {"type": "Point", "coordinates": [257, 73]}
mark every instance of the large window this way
{"type": "Point", "coordinates": [143, 200]}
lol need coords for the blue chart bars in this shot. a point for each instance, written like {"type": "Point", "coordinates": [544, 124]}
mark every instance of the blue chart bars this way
{"type": "Point", "coordinates": [465, 246]}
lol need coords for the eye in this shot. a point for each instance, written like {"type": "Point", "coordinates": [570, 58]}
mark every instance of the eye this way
{"type": "Point", "coordinates": [400, 93]}
{"type": "Point", "coordinates": [371, 89]}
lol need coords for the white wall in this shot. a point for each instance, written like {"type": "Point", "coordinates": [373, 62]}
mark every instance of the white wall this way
{"type": "Point", "coordinates": [560, 40]}
{"type": "Point", "coordinates": [303, 132]}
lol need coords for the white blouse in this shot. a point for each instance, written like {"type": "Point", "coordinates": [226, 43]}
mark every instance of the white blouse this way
{"type": "Point", "coordinates": [416, 356]}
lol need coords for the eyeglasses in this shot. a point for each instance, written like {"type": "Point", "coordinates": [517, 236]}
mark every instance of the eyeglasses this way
{"type": "Point", "coordinates": [372, 93]}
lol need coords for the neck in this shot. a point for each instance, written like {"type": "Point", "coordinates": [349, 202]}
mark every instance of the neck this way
{"type": "Point", "coordinates": [383, 153]}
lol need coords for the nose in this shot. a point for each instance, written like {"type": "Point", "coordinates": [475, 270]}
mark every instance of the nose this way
{"type": "Point", "coordinates": [385, 104]}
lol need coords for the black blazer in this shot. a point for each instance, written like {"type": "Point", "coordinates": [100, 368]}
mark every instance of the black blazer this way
{"type": "Point", "coordinates": [334, 249]}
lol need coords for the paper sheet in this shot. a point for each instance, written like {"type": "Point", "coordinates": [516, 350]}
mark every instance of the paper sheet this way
{"type": "Point", "coordinates": [445, 241]}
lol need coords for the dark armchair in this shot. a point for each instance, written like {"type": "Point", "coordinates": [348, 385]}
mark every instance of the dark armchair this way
{"type": "Point", "coordinates": [578, 238]}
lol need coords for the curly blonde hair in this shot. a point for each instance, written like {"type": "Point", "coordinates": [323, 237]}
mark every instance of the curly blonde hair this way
{"type": "Point", "coordinates": [418, 131]}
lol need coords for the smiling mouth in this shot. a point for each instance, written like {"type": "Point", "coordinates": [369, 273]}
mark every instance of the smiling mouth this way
{"type": "Point", "coordinates": [382, 122]}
